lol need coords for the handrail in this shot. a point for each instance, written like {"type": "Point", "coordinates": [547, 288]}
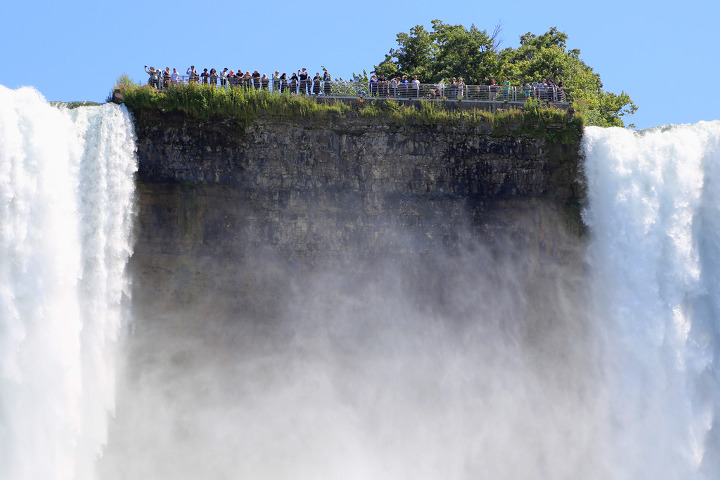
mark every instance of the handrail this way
{"type": "Point", "coordinates": [380, 89]}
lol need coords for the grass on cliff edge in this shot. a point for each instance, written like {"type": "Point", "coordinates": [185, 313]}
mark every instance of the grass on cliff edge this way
{"type": "Point", "coordinates": [243, 106]}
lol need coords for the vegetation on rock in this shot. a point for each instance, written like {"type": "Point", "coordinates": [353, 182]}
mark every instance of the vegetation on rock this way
{"type": "Point", "coordinates": [242, 107]}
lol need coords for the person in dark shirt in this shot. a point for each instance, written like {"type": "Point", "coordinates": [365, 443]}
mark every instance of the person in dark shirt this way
{"type": "Point", "coordinates": [303, 76]}
{"type": "Point", "coordinates": [294, 83]}
{"type": "Point", "coordinates": [166, 77]}
{"type": "Point", "coordinates": [316, 83]}
{"type": "Point", "coordinates": [551, 91]}
{"type": "Point", "coordinates": [326, 83]}
{"type": "Point", "coordinates": [382, 86]}
{"type": "Point", "coordinates": [453, 89]}
{"type": "Point", "coordinates": [373, 85]}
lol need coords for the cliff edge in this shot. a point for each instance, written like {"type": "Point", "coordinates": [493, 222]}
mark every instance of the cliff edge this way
{"type": "Point", "coordinates": [215, 198]}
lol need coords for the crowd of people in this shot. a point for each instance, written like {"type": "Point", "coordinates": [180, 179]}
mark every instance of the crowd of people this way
{"type": "Point", "coordinates": [378, 86]}
{"type": "Point", "coordinates": [300, 82]}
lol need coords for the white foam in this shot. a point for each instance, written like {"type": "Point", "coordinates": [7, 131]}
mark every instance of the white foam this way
{"type": "Point", "coordinates": [653, 209]}
{"type": "Point", "coordinates": [66, 189]}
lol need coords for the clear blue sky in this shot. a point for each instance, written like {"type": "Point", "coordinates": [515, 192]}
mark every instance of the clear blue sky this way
{"type": "Point", "coordinates": [666, 55]}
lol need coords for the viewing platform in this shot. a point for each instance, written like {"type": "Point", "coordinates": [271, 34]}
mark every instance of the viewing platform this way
{"type": "Point", "coordinates": [460, 96]}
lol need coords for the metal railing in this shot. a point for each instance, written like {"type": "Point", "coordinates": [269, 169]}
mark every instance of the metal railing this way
{"type": "Point", "coordinates": [389, 90]}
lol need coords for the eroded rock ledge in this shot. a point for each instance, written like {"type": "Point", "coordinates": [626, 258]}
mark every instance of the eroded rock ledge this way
{"type": "Point", "coordinates": [211, 195]}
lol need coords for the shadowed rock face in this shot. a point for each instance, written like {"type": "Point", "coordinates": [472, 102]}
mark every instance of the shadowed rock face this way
{"type": "Point", "coordinates": [357, 155]}
{"type": "Point", "coordinates": [338, 192]}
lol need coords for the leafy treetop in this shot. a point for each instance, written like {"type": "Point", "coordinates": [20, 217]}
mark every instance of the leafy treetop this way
{"type": "Point", "coordinates": [454, 51]}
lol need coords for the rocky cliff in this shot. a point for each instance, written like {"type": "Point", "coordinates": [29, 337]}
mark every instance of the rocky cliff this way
{"type": "Point", "coordinates": [216, 201]}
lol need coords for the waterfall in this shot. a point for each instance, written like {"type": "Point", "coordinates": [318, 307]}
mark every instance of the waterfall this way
{"type": "Point", "coordinates": [464, 366]}
{"type": "Point", "coordinates": [66, 192]}
{"type": "Point", "coordinates": [654, 255]}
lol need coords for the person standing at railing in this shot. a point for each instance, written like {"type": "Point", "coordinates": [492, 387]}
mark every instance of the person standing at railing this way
{"type": "Point", "coordinates": [276, 81]}
{"type": "Point", "coordinates": [550, 91]}
{"type": "Point", "coordinates": [192, 74]}
{"type": "Point", "coordinates": [223, 77]}
{"type": "Point", "coordinates": [394, 86]}
{"type": "Point", "coordinates": [213, 77]}
{"type": "Point", "coordinates": [316, 83]}
{"type": "Point", "coordinates": [294, 83]}
{"type": "Point", "coordinates": [404, 83]}
{"type": "Point", "coordinates": [542, 90]}
{"type": "Point", "coordinates": [205, 76]}
{"type": "Point", "coordinates": [461, 88]}
{"type": "Point", "coordinates": [326, 83]}
{"type": "Point", "coordinates": [264, 81]}
{"type": "Point", "coordinates": [528, 92]}
{"type": "Point", "coordinates": [384, 86]}
{"type": "Point", "coordinates": [303, 76]}
{"type": "Point", "coordinates": [174, 77]}
{"type": "Point", "coordinates": [493, 90]}
{"type": "Point", "coordinates": [453, 89]}
{"type": "Point", "coordinates": [373, 85]}
{"type": "Point", "coordinates": [561, 93]}
{"type": "Point", "coordinates": [416, 86]}
{"type": "Point", "coordinates": [154, 80]}
{"type": "Point", "coordinates": [166, 78]}
{"type": "Point", "coordinates": [506, 89]}
{"type": "Point", "coordinates": [283, 82]}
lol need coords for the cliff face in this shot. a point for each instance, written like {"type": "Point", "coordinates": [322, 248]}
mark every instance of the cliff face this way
{"type": "Point", "coordinates": [357, 155]}
{"type": "Point", "coordinates": [215, 200]}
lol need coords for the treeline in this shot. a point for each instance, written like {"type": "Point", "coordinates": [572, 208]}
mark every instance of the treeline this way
{"type": "Point", "coordinates": [449, 51]}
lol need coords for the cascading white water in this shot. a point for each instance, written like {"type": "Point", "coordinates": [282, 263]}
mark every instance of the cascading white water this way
{"type": "Point", "coordinates": [654, 212]}
{"type": "Point", "coordinates": [66, 192]}
{"type": "Point", "coordinates": [364, 383]}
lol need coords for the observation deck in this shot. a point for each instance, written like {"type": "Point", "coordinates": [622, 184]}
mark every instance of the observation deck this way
{"type": "Point", "coordinates": [473, 96]}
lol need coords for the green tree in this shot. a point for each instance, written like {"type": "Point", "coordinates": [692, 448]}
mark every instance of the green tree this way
{"type": "Point", "coordinates": [546, 57]}
{"type": "Point", "coordinates": [454, 51]}
{"type": "Point", "coordinates": [446, 51]}
{"type": "Point", "coordinates": [470, 54]}
{"type": "Point", "coordinates": [413, 57]}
